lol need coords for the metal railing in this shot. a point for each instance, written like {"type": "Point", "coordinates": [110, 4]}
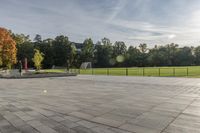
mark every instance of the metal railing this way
{"type": "Point", "coordinates": [145, 71]}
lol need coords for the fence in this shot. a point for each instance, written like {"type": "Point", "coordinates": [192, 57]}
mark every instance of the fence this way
{"type": "Point", "coordinates": [146, 71]}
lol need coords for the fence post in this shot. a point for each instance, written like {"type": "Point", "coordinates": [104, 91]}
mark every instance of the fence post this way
{"type": "Point", "coordinates": [126, 71]}
{"type": "Point", "coordinates": [159, 72]}
{"type": "Point", "coordinates": [174, 73]}
{"type": "Point", "coordinates": [187, 71]}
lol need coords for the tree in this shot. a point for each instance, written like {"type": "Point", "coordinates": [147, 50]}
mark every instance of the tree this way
{"type": "Point", "coordinates": [38, 38]}
{"type": "Point", "coordinates": [20, 38]}
{"type": "Point", "coordinates": [158, 56]}
{"type": "Point", "coordinates": [7, 49]}
{"type": "Point", "coordinates": [106, 42]}
{"type": "Point", "coordinates": [61, 52]}
{"type": "Point", "coordinates": [103, 53]}
{"type": "Point", "coordinates": [37, 42]}
{"type": "Point", "coordinates": [197, 55]}
{"type": "Point", "coordinates": [71, 54]}
{"type": "Point", "coordinates": [132, 56]}
{"type": "Point", "coordinates": [87, 52]}
{"type": "Point", "coordinates": [119, 52]}
{"type": "Point", "coordinates": [184, 57]}
{"type": "Point", "coordinates": [46, 47]}
{"type": "Point", "coordinates": [64, 51]}
{"type": "Point", "coordinates": [143, 55]}
{"type": "Point", "coordinates": [37, 59]}
{"type": "Point", "coordinates": [119, 48]}
{"type": "Point", "coordinates": [25, 50]}
{"type": "Point", "coordinates": [172, 50]}
{"type": "Point", "coordinates": [143, 48]}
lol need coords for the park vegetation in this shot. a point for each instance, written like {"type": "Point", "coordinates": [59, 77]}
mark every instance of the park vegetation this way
{"type": "Point", "coordinates": [37, 59]}
{"type": "Point", "coordinates": [7, 49]}
{"type": "Point", "coordinates": [60, 51]}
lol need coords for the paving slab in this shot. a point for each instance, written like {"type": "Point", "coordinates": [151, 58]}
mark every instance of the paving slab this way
{"type": "Point", "coordinates": [100, 104]}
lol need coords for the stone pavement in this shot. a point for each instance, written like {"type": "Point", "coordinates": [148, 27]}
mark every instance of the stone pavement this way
{"type": "Point", "coordinates": [100, 104]}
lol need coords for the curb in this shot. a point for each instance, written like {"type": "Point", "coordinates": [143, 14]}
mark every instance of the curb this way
{"type": "Point", "coordinates": [37, 76]}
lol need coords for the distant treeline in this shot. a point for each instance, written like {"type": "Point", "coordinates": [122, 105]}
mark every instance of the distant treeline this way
{"type": "Point", "coordinates": [61, 52]}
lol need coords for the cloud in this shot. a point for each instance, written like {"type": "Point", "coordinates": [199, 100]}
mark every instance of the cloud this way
{"type": "Point", "coordinates": [132, 21]}
{"type": "Point", "coordinates": [117, 9]}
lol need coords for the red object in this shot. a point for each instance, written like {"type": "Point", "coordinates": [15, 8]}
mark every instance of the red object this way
{"type": "Point", "coordinates": [26, 64]}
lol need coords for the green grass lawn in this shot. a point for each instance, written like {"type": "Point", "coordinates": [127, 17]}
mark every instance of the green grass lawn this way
{"type": "Point", "coordinates": [191, 71]}
{"type": "Point", "coordinates": [54, 70]}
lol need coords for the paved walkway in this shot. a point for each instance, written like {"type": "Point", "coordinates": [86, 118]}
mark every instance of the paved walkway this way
{"type": "Point", "coordinates": [100, 104]}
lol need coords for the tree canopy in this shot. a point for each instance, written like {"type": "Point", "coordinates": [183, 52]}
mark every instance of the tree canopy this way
{"type": "Point", "coordinates": [7, 49]}
{"type": "Point", "coordinates": [37, 59]}
{"type": "Point", "coordinates": [60, 51]}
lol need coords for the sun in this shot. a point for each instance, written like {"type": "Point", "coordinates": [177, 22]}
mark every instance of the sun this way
{"type": "Point", "coordinates": [172, 36]}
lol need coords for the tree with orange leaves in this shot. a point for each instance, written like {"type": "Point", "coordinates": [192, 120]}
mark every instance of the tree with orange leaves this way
{"type": "Point", "coordinates": [7, 49]}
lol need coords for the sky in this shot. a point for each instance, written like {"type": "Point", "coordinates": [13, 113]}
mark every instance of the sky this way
{"type": "Point", "coordinates": [132, 21]}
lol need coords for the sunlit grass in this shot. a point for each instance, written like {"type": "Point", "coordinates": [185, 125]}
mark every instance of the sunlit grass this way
{"type": "Point", "coordinates": [55, 70]}
{"type": "Point", "coordinates": [191, 71]}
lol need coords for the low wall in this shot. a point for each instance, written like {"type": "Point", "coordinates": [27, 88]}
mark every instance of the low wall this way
{"type": "Point", "coordinates": [38, 75]}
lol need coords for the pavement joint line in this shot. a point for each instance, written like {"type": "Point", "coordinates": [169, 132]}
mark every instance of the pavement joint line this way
{"type": "Point", "coordinates": [179, 114]}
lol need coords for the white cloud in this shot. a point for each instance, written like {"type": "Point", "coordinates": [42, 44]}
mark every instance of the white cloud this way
{"type": "Point", "coordinates": [123, 20]}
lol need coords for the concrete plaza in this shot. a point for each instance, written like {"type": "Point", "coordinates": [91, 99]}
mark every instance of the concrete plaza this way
{"type": "Point", "coordinates": [100, 104]}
